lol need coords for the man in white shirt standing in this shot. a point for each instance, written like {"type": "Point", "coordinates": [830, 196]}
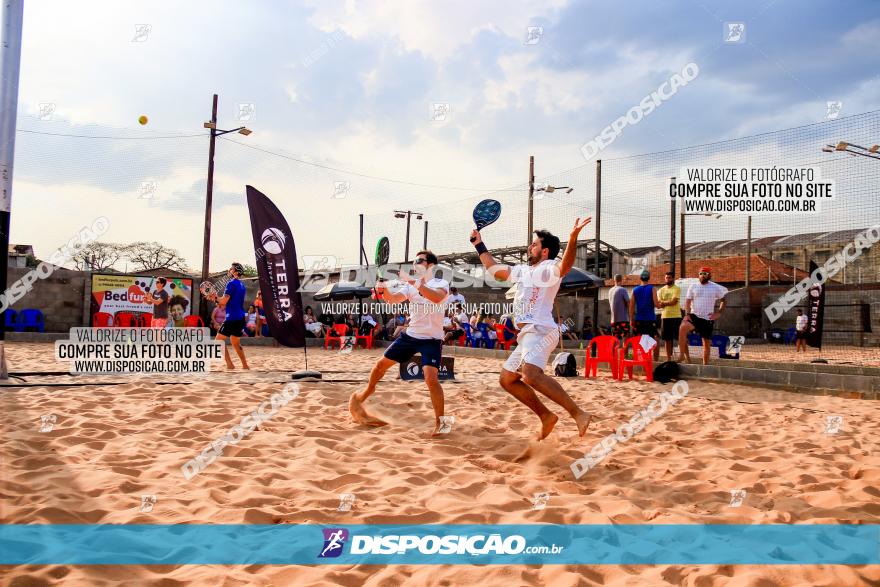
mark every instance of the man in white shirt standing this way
{"type": "Point", "coordinates": [700, 313]}
{"type": "Point", "coordinates": [537, 284]}
{"type": "Point", "coordinates": [426, 295]}
{"type": "Point", "coordinates": [801, 331]}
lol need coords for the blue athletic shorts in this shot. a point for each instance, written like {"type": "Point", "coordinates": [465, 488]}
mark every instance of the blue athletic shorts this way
{"type": "Point", "coordinates": [405, 346]}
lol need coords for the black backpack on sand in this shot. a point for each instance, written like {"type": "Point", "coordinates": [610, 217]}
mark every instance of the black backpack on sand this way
{"type": "Point", "coordinates": [565, 365]}
{"type": "Point", "coordinates": [666, 372]}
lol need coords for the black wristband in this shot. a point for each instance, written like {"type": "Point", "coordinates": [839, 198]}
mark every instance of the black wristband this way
{"type": "Point", "coordinates": [481, 248]}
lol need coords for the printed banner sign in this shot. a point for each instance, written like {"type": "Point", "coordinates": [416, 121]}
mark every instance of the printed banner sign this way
{"type": "Point", "coordinates": [412, 369]}
{"type": "Point", "coordinates": [127, 293]}
{"type": "Point", "coordinates": [816, 312]}
{"type": "Point", "coordinates": [277, 268]}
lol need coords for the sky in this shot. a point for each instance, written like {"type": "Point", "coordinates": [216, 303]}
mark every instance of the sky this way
{"type": "Point", "coordinates": [343, 93]}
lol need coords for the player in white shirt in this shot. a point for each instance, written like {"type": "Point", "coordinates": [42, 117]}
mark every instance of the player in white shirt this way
{"type": "Point", "coordinates": [426, 295]}
{"type": "Point", "coordinates": [537, 284]}
{"type": "Point", "coordinates": [700, 314]}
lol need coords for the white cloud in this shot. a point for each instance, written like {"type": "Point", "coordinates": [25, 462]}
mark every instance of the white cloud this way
{"type": "Point", "coordinates": [864, 36]}
{"type": "Point", "coordinates": [435, 29]}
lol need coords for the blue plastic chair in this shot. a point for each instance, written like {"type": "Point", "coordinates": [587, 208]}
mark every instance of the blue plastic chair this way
{"type": "Point", "coordinates": [31, 319]}
{"type": "Point", "coordinates": [720, 342]}
{"type": "Point", "coordinates": [484, 331]}
{"type": "Point", "coordinates": [791, 335]}
{"type": "Point", "coordinates": [695, 339]}
{"type": "Point", "coordinates": [468, 335]}
{"type": "Point", "coordinates": [11, 320]}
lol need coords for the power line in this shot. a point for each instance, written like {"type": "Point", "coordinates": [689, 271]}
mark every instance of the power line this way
{"type": "Point", "coordinates": [485, 191]}
{"type": "Point", "coordinates": [364, 175]}
{"type": "Point", "coordinates": [58, 134]}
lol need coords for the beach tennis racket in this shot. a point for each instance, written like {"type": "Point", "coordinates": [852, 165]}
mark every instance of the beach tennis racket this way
{"type": "Point", "coordinates": [207, 289]}
{"type": "Point", "coordinates": [485, 213]}
{"type": "Point", "coordinates": [383, 251]}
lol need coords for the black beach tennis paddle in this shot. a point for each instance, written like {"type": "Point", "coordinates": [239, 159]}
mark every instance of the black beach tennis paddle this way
{"type": "Point", "coordinates": [485, 213]}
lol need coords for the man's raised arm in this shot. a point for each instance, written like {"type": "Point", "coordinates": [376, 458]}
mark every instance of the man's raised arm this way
{"type": "Point", "coordinates": [499, 272]}
{"type": "Point", "coordinates": [571, 249]}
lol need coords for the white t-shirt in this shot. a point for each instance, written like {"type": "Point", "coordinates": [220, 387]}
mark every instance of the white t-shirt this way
{"type": "Point", "coordinates": [536, 290]}
{"type": "Point", "coordinates": [462, 318]}
{"type": "Point", "coordinates": [801, 322]}
{"type": "Point", "coordinates": [456, 299]}
{"type": "Point", "coordinates": [425, 317]}
{"type": "Point", "coordinates": [704, 297]}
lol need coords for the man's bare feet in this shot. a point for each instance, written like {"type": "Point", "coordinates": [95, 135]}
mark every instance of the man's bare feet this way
{"type": "Point", "coordinates": [360, 415]}
{"type": "Point", "coordinates": [582, 419]}
{"type": "Point", "coordinates": [548, 421]}
{"type": "Point", "coordinates": [437, 426]}
{"type": "Point", "coordinates": [230, 366]}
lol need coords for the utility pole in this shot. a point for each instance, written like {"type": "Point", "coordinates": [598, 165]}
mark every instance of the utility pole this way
{"type": "Point", "coordinates": [362, 254]}
{"type": "Point", "coordinates": [13, 11]}
{"type": "Point", "coordinates": [206, 246]}
{"type": "Point", "coordinates": [749, 257]}
{"type": "Point", "coordinates": [682, 255]}
{"type": "Point", "coordinates": [672, 236]}
{"type": "Point", "coordinates": [425, 244]}
{"type": "Point", "coordinates": [598, 239]}
{"type": "Point", "coordinates": [531, 199]}
{"type": "Point", "coordinates": [406, 251]}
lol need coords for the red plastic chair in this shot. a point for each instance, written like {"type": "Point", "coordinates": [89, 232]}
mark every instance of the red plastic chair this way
{"type": "Point", "coordinates": [335, 335]}
{"type": "Point", "coordinates": [125, 320]}
{"type": "Point", "coordinates": [606, 352]}
{"type": "Point", "coordinates": [102, 319]}
{"type": "Point", "coordinates": [145, 320]}
{"type": "Point", "coordinates": [193, 322]}
{"type": "Point", "coordinates": [639, 359]}
{"type": "Point", "coordinates": [367, 338]}
{"type": "Point", "coordinates": [502, 342]}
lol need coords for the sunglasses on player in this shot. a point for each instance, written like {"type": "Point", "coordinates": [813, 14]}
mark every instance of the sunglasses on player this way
{"type": "Point", "coordinates": [419, 261]}
{"type": "Point", "coordinates": [703, 273]}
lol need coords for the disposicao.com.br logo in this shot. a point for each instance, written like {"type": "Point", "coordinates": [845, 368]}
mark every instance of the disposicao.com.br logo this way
{"type": "Point", "coordinates": [449, 544]}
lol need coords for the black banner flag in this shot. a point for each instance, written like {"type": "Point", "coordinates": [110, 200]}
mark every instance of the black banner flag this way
{"type": "Point", "coordinates": [816, 314]}
{"type": "Point", "coordinates": [277, 269]}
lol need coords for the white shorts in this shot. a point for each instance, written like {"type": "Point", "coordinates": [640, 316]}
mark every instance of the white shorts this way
{"type": "Point", "coordinates": [534, 344]}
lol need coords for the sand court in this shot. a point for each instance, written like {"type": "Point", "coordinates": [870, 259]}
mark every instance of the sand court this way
{"type": "Point", "coordinates": [111, 451]}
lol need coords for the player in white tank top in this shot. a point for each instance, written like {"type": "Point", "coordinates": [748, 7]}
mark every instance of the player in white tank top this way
{"type": "Point", "coordinates": [426, 295]}
{"type": "Point", "coordinates": [537, 283]}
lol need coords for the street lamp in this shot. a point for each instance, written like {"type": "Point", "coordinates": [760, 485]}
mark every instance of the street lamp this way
{"type": "Point", "coordinates": [550, 189]}
{"type": "Point", "coordinates": [871, 153]}
{"type": "Point", "coordinates": [408, 214]}
{"type": "Point", "coordinates": [206, 247]}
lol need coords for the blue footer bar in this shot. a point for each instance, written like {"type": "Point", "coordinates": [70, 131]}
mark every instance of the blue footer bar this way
{"type": "Point", "coordinates": [310, 544]}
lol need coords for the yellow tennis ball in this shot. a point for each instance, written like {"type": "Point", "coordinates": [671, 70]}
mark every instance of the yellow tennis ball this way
{"type": "Point", "coordinates": [143, 120]}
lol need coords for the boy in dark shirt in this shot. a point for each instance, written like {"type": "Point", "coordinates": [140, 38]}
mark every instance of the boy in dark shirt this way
{"type": "Point", "coordinates": [159, 300]}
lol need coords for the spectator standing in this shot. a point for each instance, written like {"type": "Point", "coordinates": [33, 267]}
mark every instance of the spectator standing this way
{"type": "Point", "coordinates": [670, 315]}
{"type": "Point", "coordinates": [801, 331]}
{"type": "Point", "coordinates": [701, 313]}
{"type": "Point", "coordinates": [643, 318]}
{"type": "Point", "coordinates": [618, 298]}
{"type": "Point", "coordinates": [217, 317]}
